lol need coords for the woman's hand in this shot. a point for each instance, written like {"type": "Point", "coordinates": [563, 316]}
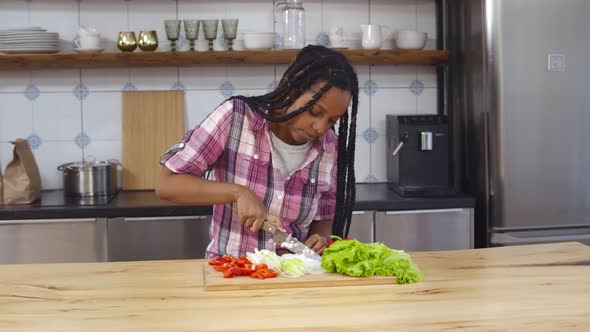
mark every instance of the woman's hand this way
{"type": "Point", "coordinates": [317, 243]}
{"type": "Point", "coordinates": [251, 211]}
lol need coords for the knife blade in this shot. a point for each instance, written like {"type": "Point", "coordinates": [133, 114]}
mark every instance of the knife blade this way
{"type": "Point", "coordinates": [288, 242]}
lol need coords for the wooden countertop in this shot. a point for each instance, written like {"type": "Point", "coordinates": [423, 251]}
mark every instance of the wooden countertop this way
{"type": "Point", "coordinates": [524, 288]}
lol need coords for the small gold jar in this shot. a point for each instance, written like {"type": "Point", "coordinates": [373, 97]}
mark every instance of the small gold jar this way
{"type": "Point", "coordinates": [127, 41]}
{"type": "Point", "coordinates": [148, 40]}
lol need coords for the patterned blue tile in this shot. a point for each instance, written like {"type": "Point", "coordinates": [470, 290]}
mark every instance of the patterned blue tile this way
{"type": "Point", "coordinates": [370, 135]}
{"type": "Point", "coordinates": [32, 92]}
{"type": "Point", "coordinates": [226, 89]}
{"type": "Point", "coordinates": [323, 39]}
{"type": "Point", "coordinates": [370, 178]}
{"type": "Point", "coordinates": [80, 91]}
{"type": "Point", "coordinates": [82, 140]}
{"type": "Point", "coordinates": [129, 87]}
{"type": "Point", "coordinates": [417, 87]}
{"type": "Point", "coordinates": [34, 141]}
{"type": "Point", "coordinates": [178, 86]}
{"type": "Point", "coordinates": [370, 87]}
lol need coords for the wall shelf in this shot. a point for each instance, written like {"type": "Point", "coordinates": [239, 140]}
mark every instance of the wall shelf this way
{"type": "Point", "coordinates": [172, 59]}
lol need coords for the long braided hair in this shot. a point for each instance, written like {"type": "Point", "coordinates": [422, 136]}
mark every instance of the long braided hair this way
{"type": "Point", "coordinates": [311, 65]}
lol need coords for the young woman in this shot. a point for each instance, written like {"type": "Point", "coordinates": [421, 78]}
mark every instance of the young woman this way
{"type": "Point", "coordinates": [274, 157]}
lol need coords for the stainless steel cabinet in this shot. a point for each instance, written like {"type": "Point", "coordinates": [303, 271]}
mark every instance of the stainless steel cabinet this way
{"type": "Point", "coordinates": [425, 230]}
{"type": "Point", "coordinates": [158, 238]}
{"type": "Point", "coordinates": [52, 241]}
{"type": "Point", "coordinates": [362, 226]}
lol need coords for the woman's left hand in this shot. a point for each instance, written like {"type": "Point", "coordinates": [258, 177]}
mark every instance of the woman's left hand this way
{"type": "Point", "coordinates": [316, 242]}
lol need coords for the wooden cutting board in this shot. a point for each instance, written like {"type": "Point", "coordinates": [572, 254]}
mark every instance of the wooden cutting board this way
{"type": "Point", "coordinates": [152, 122]}
{"type": "Point", "coordinates": [214, 281]}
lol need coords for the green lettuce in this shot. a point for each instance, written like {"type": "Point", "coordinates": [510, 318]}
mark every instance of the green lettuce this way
{"type": "Point", "coordinates": [357, 259]}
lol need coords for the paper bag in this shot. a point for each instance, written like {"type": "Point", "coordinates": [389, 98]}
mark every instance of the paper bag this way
{"type": "Point", "coordinates": [22, 181]}
{"type": "Point", "coordinates": [1, 190]}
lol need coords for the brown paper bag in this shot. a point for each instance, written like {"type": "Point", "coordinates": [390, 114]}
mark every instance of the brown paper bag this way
{"type": "Point", "coordinates": [22, 181]}
{"type": "Point", "coordinates": [1, 190]}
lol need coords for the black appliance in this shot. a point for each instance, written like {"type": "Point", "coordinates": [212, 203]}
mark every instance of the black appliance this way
{"type": "Point", "coordinates": [418, 155]}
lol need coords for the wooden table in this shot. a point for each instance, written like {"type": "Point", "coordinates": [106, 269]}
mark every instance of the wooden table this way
{"type": "Point", "coordinates": [525, 288]}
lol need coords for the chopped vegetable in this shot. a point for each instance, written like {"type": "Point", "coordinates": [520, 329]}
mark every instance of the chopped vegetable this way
{"type": "Point", "coordinates": [270, 258]}
{"type": "Point", "coordinates": [292, 267]}
{"type": "Point", "coordinates": [357, 259]}
{"type": "Point", "coordinates": [234, 267]}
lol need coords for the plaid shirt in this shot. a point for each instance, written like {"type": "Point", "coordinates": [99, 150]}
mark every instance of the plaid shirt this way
{"type": "Point", "coordinates": [233, 142]}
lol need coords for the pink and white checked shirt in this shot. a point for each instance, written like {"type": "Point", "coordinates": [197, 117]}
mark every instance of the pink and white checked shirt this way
{"type": "Point", "coordinates": [233, 142]}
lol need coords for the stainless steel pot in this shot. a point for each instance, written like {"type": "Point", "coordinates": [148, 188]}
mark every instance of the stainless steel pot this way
{"type": "Point", "coordinates": [88, 179]}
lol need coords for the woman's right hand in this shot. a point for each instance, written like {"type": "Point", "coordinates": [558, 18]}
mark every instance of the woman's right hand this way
{"type": "Point", "coordinates": [251, 211]}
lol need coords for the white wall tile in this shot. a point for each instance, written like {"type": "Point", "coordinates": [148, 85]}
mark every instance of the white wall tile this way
{"type": "Point", "coordinates": [101, 116]}
{"type": "Point", "coordinates": [398, 15]}
{"type": "Point", "coordinates": [362, 157]}
{"type": "Point", "coordinates": [107, 16]}
{"type": "Point", "coordinates": [15, 116]}
{"type": "Point", "coordinates": [254, 16]}
{"type": "Point", "coordinates": [395, 76]}
{"type": "Point", "coordinates": [14, 14]}
{"type": "Point", "coordinates": [248, 77]}
{"type": "Point", "coordinates": [427, 101]}
{"type": "Point", "coordinates": [59, 16]}
{"type": "Point", "coordinates": [190, 9]}
{"type": "Point", "coordinates": [203, 77]}
{"type": "Point", "coordinates": [51, 106]}
{"type": "Point", "coordinates": [154, 78]}
{"type": "Point", "coordinates": [348, 14]}
{"type": "Point", "coordinates": [51, 80]}
{"type": "Point", "coordinates": [362, 73]}
{"type": "Point", "coordinates": [427, 75]}
{"type": "Point", "coordinates": [426, 20]}
{"type": "Point", "coordinates": [14, 80]}
{"type": "Point", "coordinates": [104, 150]}
{"type": "Point", "coordinates": [199, 104]}
{"type": "Point", "coordinates": [5, 155]}
{"type": "Point", "coordinates": [52, 154]}
{"type": "Point", "coordinates": [313, 19]}
{"type": "Point", "coordinates": [105, 79]}
{"type": "Point", "coordinates": [150, 15]}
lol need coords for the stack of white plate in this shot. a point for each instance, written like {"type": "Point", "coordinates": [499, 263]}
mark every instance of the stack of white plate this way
{"type": "Point", "coordinates": [28, 40]}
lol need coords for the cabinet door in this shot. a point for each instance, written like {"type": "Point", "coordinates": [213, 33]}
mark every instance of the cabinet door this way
{"type": "Point", "coordinates": [361, 227]}
{"type": "Point", "coordinates": [425, 230]}
{"type": "Point", "coordinates": [158, 238]}
{"type": "Point", "coordinates": [52, 241]}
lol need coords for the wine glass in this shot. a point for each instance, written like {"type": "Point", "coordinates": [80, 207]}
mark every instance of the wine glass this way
{"type": "Point", "coordinates": [210, 29]}
{"type": "Point", "coordinates": [172, 32]}
{"type": "Point", "coordinates": [191, 31]}
{"type": "Point", "coordinates": [230, 29]}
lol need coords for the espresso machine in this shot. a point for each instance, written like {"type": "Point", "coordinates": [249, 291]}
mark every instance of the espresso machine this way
{"type": "Point", "coordinates": [418, 162]}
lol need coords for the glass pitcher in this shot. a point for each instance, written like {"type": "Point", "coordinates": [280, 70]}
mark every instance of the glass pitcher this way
{"type": "Point", "coordinates": [292, 21]}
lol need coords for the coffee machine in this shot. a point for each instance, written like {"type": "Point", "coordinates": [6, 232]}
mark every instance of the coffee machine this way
{"type": "Point", "coordinates": [418, 163]}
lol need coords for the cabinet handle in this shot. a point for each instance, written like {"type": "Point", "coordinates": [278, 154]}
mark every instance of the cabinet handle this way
{"type": "Point", "coordinates": [45, 221]}
{"type": "Point", "coordinates": [423, 211]}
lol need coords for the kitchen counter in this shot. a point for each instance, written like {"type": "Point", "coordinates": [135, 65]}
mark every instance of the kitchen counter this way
{"type": "Point", "coordinates": [521, 288]}
{"type": "Point", "coordinates": [145, 204]}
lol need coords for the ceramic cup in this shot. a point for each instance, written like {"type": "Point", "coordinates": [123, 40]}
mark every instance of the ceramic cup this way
{"type": "Point", "coordinates": [88, 38]}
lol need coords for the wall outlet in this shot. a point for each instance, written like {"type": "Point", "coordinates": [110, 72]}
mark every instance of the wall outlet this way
{"type": "Point", "coordinates": [556, 62]}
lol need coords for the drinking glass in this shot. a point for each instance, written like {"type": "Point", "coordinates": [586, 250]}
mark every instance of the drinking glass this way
{"type": "Point", "coordinates": [230, 29]}
{"type": "Point", "coordinates": [172, 32]}
{"type": "Point", "coordinates": [191, 31]}
{"type": "Point", "coordinates": [210, 29]}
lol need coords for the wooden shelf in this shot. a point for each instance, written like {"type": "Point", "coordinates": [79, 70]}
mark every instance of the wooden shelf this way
{"type": "Point", "coordinates": [172, 59]}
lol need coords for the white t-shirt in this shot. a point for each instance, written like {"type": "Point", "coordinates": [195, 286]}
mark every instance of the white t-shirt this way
{"type": "Point", "coordinates": [286, 157]}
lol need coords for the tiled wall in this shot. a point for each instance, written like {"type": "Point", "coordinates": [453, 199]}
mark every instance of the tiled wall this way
{"type": "Point", "coordinates": [68, 114]}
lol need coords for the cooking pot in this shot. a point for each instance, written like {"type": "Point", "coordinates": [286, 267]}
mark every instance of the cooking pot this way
{"type": "Point", "coordinates": [92, 178]}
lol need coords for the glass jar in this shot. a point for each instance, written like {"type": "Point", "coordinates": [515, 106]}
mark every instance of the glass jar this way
{"type": "Point", "coordinates": [292, 21]}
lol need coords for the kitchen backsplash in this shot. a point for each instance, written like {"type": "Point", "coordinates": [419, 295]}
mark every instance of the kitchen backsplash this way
{"type": "Point", "coordinates": [68, 114]}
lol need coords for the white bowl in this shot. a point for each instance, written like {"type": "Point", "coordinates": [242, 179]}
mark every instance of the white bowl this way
{"type": "Point", "coordinates": [411, 40]}
{"type": "Point", "coordinates": [259, 40]}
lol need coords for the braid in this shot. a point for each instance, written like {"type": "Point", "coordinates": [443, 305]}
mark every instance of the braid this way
{"type": "Point", "coordinates": [311, 65]}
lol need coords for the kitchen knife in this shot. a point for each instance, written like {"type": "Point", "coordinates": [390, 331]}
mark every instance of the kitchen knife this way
{"type": "Point", "coordinates": [288, 242]}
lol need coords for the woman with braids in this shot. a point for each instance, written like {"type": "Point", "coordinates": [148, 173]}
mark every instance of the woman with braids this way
{"type": "Point", "coordinates": [274, 157]}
